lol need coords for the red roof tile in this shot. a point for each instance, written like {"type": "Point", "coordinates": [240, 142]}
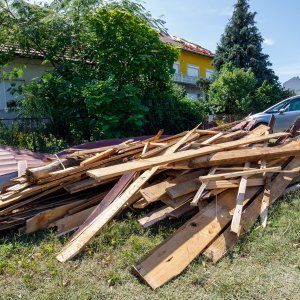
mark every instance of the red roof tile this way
{"type": "Point", "coordinates": [185, 45]}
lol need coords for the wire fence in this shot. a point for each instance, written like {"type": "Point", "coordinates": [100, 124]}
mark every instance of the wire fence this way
{"type": "Point", "coordinates": [26, 124]}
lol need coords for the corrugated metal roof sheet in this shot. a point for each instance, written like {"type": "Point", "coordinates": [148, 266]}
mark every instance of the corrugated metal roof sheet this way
{"type": "Point", "coordinates": [9, 157]}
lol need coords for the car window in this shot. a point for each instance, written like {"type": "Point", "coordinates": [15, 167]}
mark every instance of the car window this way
{"type": "Point", "coordinates": [277, 107]}
{"type": "Point", "coordinates": [293, 105]}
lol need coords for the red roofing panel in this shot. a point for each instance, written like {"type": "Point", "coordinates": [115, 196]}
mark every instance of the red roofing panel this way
{"type": "Point", "coordinates": [9, 157]}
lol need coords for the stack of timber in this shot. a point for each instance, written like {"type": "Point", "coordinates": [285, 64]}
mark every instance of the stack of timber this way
{"type": "Point", "coordinates": [220, 180]}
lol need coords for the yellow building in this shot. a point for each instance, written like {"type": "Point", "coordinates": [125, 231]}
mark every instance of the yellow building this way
{"type": "Point", "coordinates": [193, 62]}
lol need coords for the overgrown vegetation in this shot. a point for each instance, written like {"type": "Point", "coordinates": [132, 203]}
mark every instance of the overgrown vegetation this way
{"type": "Point", "coordinates": [111, 72]}
{"type": "Point", "coordinates": [33, 138]}
{"type": "Point", "coordinates": [265, 263]}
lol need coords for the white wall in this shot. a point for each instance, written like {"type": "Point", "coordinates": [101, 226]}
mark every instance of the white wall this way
{"type": "Point", "coordinates": [34, 68]}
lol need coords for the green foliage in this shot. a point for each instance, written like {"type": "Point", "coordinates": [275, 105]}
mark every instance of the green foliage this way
{"type": "Point", "coordinates": [241, 44]}
{"type": "Point", "coordinates": [113, 112]}
{"type": "Point", "coordinates": [204, 84]}
{"type": "Point", "coordinates": [173, 111]}
{"type": "Point", "coordinates": [268, 95]}
{"type": "Point", "coordinates": [232, 91]}
{"type": "Point", "coordinates": [35, 140]}
{"type": "Point", "coordinates": [111, 72]}
{"type": "Point", "coordinates": [258, 265]}
{"type": "Point", "coordinates": [236, 91]}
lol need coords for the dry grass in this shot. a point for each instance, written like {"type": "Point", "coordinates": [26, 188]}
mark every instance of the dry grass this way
{"type": "Point", "coordinates": [264, 265]}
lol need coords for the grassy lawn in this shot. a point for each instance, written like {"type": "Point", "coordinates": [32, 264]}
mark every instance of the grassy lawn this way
{"type": "Point", "coordinates": [264, 265]}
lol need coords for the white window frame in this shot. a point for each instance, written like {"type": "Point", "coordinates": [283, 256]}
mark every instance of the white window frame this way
{"type": "Point", "coordinates": [192, 67]}
{"type": "Point", "coordinates": [5, 95]}
{"type": "Point", "coordinates": [176, 67]}
{"type": "Point", "coordinates": [209, 73]}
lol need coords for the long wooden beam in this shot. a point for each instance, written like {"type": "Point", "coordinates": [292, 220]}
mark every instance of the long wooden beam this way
{"type": "Point", "coordinates": [113, 171]}
{"type": "Point", "coordinates": [171, 257]}
{"type": "Point", "coordinates": [244, 155]}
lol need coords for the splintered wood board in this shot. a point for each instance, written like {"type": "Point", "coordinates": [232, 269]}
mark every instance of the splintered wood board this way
{"type": "Point", "coordinates": [172, 256]}
{"type": "Point", "coordinates": [227, 240]}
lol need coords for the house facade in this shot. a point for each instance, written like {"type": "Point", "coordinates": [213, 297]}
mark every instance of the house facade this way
{"type": "Point", "coordinates": [293, 84]}
{"type": "Point", "coordinates": [193, 62]}
{"type": "Point", "coordinates": [33, 68]}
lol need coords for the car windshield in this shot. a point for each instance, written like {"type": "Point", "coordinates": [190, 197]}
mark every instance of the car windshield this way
{"type": "Point", "coordinates": [277, 107]}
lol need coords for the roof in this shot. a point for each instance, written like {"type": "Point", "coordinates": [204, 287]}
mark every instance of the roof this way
{"type": "Point", "coordinates": [9, 157]}
{"type": "Point", "coordinates": [18, 51]}
{"type": "Point", "coordinates": [185, 45]}
{"type": "Point", "coordinates": [172, 40]}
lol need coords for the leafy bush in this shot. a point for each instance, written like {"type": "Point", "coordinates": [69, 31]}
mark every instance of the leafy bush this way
{"type": "Point", "coordinates": [36, 140]}
{"type": "Point", "coordinates": [236, 91]}
{"type": "Point", "coordinates": [113, 112]}
{"type": "Point", "coordinates": [233, 90]}
{"type": "Point", "coordinates": [173, 111]}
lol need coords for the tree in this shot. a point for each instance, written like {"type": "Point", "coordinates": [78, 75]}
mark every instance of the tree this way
{"type": "Point", "coordinates": [111, 72]}
{"type": "Point", "coordinates": [233, 91]}
{"type": "Point", "coordinates": [241, 44]}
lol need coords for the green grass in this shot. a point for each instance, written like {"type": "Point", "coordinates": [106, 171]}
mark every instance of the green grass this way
{"type": "Point", "coordinates": [264, 265]}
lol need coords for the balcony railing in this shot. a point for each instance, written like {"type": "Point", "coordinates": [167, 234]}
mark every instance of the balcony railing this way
{"type": "Point", "coordinates": [181, 78]}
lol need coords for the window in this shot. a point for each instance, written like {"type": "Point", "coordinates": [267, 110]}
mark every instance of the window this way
{"type": "Point", "coordinates": [277, 107]}
{"type": "Point", "coordinates": [192, 96]}
{"type": "Point", "coordinates": [176, 67]}
{"type": "Point", "coordinates": [293, 105]}
{"type": "Point", "coordinates": [209, 73]}
{"type": "Point", "coordinates": [6, 92]}
{"type": "Point", "coordinates": [193, 71]}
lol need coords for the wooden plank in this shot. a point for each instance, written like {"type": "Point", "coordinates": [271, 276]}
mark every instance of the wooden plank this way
{"type": "Point", "coordinates": [226, 241]}
{"type": "Point", "coordinates": [225, 126]}
{"type": "Point", "coordinates": [156, 191]}
{"type": "Point", "coordinates": [231, 136]}
{"type": "Point", "coordinates": [71, 222]}
{"type": "Point", "coordinates": [244, 155]}
{"type": "Point", "coordinates": [202, 188]}
{"type": "Point", "coordinates": [78, 171]}
{"type": "Point", "coordinates": [44, 218]}
{"type": "Point", "coordinates": [16, 202]}
{"type": "Point", "coordinates": [265, 203]}
{"type": "Point", "coordinates": [176, 202]}
{"type": "Point", "coordinates": [145, 149]}
{"type": "Point", "coordinates": [183, 211]}
{"type": "Point", "coordinates": [119, 187]}
{"type": "Point", "coordinates": [237, 215]}
{"type": "Point", "coordinates": [155, 216]}
{"type": "Point", "coordinates": [97, 157]}
{"type": "Point", "coordinates": [213, 138]}
{"type": "Point", "coordinates": [113, 171]}
{"type": "Point", "coordinates": [86, 234]}
{"type": "Point", "coordinates": [171, 257]}
{"type": "Point", "coordinates": [101, 149]}
{"type": "Point", "coordinates": [43, 171]}
{"type": "Point", "coordinates": [84, 184]}
{"type": "Point", "coordinates": [238, 174]}
{"type": "Point", "coordinates": [22, 166]}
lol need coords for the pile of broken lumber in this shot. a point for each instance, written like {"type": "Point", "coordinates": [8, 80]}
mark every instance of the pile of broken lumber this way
{"type": "Point", "coordinates": [221, 180]}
